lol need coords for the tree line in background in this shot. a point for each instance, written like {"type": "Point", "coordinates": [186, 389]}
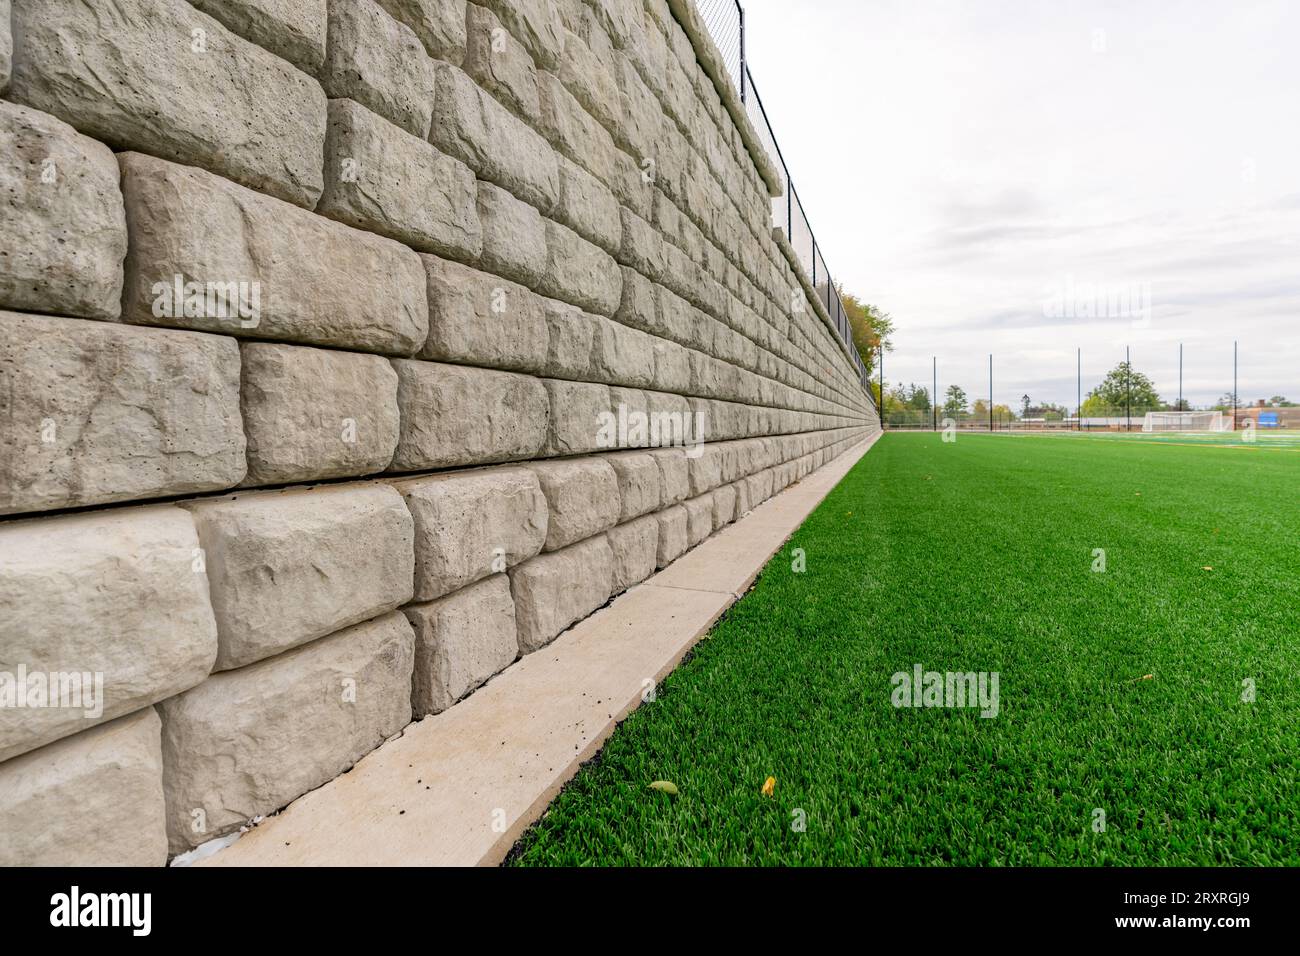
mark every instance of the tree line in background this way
{"type": "Point", "coordinates": [1123, 391]}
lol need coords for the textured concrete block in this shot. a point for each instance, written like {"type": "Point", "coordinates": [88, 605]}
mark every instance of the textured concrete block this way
{"type": "Point", "coordinates": [643, 118]}
{"type": "Point", "coordinates": [760, 487]}
{"type": "Point", "coordinates": [590, 81]}
{"type": "Point", "coordinates": [588, 207]}
{"type": "Point", "coordinates": [93, 799]}
{"type": "Point", "coordinates": [705, 470]}
{"type": "Point", "coordinates": [6, 45]}
{"type": "Point", "coordinates": [635, 547]}
{"type": "Point", "coordinates": [472, 524]}
{"type": "Point", "coordinates": [120, 594]}
{"type": "Point", "coordinates": [440, 25]}
{"type": "Point", "coordinates": [673, 528]}
{"type": "Point", "coordinates": [579, 272]}
{"type": "Point", "coordinates": [501, 148]}
{"type": "Point", "coordinates": [556, 590]}
{"type": "Point", "coordinates": [536, 24]}
{"type": "Point", "coordinates": [135, 74]}
{"type": "Point", "coordinates": [578, 411]}
{"type": "Point", "coordinates": [501, 64]}
{"type": "Point", "coordinates": [480, 319]}
{"type": "Point", "coordinates": [639, 483]}
{"type": "Point", "coordinates": [460, 642]}
{"type": "Point", "coordinates": [380, 178]}
{"type": "Point", "coordinates": [287, 567]}
{"type": "Point", "coordinates": [92, 412]}
{"type": "Point", "coordinates": [677, 320]}
{"type": "Point", "coordinates": [621, 355]}
{"type": "Point", "coordinates": [380, 63]}
{"type": "Point", "coordinates": [674, 474]}
{"type": "Point", "coordinates": [641, 247]}
{"type": "Point", "coordinates": [638, 302]}
{"type": "Point", "coordinates": [64, 228]}
{"type": "Point", "coordinates": [245, 743]}
{"type": "Point", "coordinates": [454, 415]}
{"type": "Point", "coordinates": [312, 414]}
{"type": "Point", "coordinates": [743, 505]}
{"type": "Point", "coordinates": [629, 424]}
{"type": "Point", "coordinates": [569, 336]}
{"type": "Point", "coordinates": [306, 279]}
{"type": "Point", "coordinates": [699, 519]}
{"type": "Point", "coordinates": [672, 367]}
{"type": "Point", "coordinates": [292, 29]}
{"type": "Point", "coordinates": [633, 182]}
{"type": "Point", "coordinates": [672, 422]}
{"type": "Point", "coordinates": [724, 506]}
{"type": "Point", "coordinates": [623, 20]}
{"type": "Point", "coordinates": [581, 496]}
{"type": "Point", "coordinates": [514, 236]}
{"type": "Point", "coordinates": [575, 132]}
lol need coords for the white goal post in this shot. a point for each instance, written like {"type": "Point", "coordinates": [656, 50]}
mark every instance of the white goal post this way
{"type": "Point", "coordinates": [1184, 422]}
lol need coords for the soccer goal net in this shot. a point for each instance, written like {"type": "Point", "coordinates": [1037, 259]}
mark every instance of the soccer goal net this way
{"type": "Point", "coordinates": [1184, 422]}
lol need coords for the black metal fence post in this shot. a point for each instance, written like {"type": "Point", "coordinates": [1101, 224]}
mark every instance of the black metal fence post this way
{"type": "Point", "coordinates": [742, 50]}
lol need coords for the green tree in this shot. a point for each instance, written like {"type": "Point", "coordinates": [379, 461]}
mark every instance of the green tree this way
{"type": "Point", "coordinates": [917, 397]}
{"type": "Point", "coordinates": [955, 401]}
{"type": "Point", "coordinates": [871, 326]}
{"type": "Point", "coordinates": [1123, 387]}
{"type": "Point", "coordinates": [1095, 407]}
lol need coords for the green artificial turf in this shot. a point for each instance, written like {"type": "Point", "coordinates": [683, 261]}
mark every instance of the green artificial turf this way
{"type": "Point", "coordinates": [978, 556]}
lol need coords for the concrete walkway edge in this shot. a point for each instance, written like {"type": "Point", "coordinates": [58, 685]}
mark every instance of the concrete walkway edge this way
{"type": "Point", "coordinates": [459, 788]}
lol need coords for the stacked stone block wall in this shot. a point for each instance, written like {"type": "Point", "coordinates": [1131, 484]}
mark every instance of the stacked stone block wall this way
{"type": "Point", "coordinates": [332, 333]}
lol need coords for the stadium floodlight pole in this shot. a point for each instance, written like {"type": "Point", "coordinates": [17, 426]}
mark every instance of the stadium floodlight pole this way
{"type": "Point", "coordinates": [1128, 389]}
{"type": "Point", "coordinates": [1078, 408]}
{"type": "Point", "coordinates": [934, 398]}
{"type": "Point", "coordinates": [990, 391]}
{"type": "Point", "coordinates": [1180, 376]}
{"type": "Point", "coordinates": [1234, 385]}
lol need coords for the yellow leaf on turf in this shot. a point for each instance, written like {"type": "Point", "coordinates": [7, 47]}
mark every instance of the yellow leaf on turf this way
{"type": "Point", "coordinates": [769, 786]}
{"type": "Point", "coordinates": [664, 786]}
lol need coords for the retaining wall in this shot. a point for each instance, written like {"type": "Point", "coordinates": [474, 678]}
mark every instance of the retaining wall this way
{"type": "Point", "coordinates": [338, 341]}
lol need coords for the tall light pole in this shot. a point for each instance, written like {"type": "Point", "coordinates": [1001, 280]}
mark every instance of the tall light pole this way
{"type": "Point", "coordinates": [1078, 408]}
{"type": "Point", "coordinates": [1234, 386]}
{"type": "Point", "coordinates": [990, 392]}
{"type": "Point", "coordinates": [1128, 389]}
{"type": "Point", "coordinates": [1180, 376]}
{"type": "Point", "coordinates": [934, 398]}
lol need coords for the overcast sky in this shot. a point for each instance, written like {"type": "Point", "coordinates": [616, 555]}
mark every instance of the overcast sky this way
{"type": "Point", "coordinates": [1025, 178]}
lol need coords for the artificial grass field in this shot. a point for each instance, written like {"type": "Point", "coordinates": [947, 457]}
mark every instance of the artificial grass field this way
{"type": "Point", "coordinates": [977, 556]}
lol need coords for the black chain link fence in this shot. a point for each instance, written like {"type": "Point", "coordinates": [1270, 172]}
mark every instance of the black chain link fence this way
{"type": "Point", "coordinates": [725, 20]}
